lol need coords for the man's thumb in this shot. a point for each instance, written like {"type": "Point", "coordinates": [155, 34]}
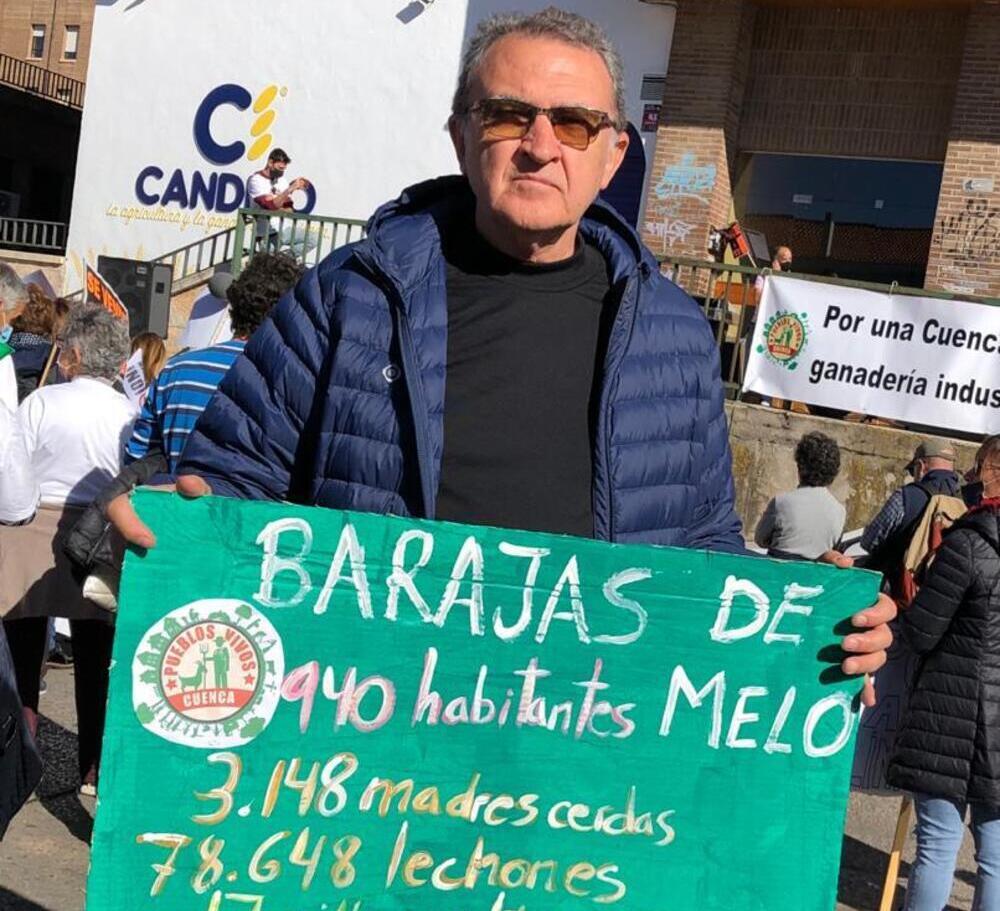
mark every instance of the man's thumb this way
{"type": "Point", "coordinates": [191, 485]}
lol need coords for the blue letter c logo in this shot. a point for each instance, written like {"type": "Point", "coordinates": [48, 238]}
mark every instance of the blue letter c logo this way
{"type": "Point", "coordinates": [232, 94]}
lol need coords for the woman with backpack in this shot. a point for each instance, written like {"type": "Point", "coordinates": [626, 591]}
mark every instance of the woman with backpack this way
{"type": "Point", "coordinates": [948, 749]}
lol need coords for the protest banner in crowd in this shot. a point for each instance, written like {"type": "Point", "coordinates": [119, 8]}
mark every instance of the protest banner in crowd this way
{"type": "Point", "coordinates": [915, 359]}
{"type": "Point", "coordinates": [101, 293]}
{"type": "Point", "coordinates": [348, 711]}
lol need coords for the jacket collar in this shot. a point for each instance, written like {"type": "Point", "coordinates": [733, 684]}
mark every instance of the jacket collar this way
{"type": "Point", "coordinates": [985, 518]}
{"type": "Point", "coordinates": [404, 236]}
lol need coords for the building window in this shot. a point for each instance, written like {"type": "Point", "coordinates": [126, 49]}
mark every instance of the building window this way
{"type": "Point", "coordinates": [868, 219]}
{"type": "Point", "coordinates": [71, 47]}
{"type": "Point", "coordinates": [37, 49]}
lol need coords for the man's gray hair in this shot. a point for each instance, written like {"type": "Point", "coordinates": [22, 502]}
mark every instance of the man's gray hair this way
{"type": "Point", "coordinates": [101, 339]}
{"type": "Point", "coordinates": [551, 22]}
{"type": "Point", "coordinates": [13, 292]}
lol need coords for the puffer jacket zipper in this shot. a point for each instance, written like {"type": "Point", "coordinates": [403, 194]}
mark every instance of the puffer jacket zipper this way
{"type": "Point", "coordinates": [411, 377]}
{"type": "Point", "coordinates": [618, 341]}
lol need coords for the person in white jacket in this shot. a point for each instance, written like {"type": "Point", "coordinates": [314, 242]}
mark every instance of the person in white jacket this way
{"type": "Point", "coordinates": [74, 433]}
{"type": "Point", "coordinates": [19, 494]}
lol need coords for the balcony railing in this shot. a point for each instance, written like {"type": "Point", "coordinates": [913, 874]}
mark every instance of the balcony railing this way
{"type": "Point", "coordinates": [309, 238]}
{"type": "Point", "coordinates": [26, 234]}
{"type": "Point", "coordinates": [192, 260]}
{"type": "Point", "coordinates": [37, 80]}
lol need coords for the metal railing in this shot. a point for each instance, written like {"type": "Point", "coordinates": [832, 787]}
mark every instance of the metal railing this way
{"type": "Point", "coordinates": [728, 296]}
{"type": "Point", "coordinates": [189, 261]}
{"type": "Point", "coordinates": [37, 80]}
{"type": "Point", "coordinates": [309, 238]}
{"type": "Point", "coordinates": [33, 236]}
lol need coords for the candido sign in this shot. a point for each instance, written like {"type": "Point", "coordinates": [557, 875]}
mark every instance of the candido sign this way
{"type": "Point", "coordinates": [349, 712]}
{"type": "Point", "coordinates": [215, 190]}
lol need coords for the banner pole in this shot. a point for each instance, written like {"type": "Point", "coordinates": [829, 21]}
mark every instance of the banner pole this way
{"type": "Point", "coordinates": [898, 841]}
{"type": "Point", "coordinates": [53, 353]}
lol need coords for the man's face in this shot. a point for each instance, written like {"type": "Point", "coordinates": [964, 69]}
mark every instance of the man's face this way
{"type": "Point", "coordinates": [783, 259]}
{"type": "Point", "coordinates": [536, 184]}
{"type": "Point", "coordinates": [277, 168]}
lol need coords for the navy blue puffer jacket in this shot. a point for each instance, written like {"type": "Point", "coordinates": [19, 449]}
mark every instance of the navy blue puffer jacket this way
{"type": "Point", "coordinates": [339, 398]}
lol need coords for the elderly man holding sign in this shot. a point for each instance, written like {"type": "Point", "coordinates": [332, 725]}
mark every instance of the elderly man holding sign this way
{"type": "Point", "coordinates": [501, 349]}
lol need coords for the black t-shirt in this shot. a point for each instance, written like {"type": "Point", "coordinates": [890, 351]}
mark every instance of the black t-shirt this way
{"type": "Point", "coordinates": [524, 345]}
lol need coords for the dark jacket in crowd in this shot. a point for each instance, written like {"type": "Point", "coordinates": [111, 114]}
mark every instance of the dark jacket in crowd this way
{"type": "Point", "coordinates": [949, 743]}
{"type": "Point", "coordinates": [888, 557]}
{"type": "Point", "coordinates": [20, 766]}
{"type": "Point", "coordinates": [31, 352]}
{"type": "Point", "coordinates": [308, 414]}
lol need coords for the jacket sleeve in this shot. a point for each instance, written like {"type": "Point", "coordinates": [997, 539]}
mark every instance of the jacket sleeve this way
{"type": "Point", "coordinates": [246, 443]}
{"type": "Point", "coordinates": [927, 619]}
{"type": "Point", "coordinates": [714, 524]}
{"type": "Point", "coordinates": [880, 529]}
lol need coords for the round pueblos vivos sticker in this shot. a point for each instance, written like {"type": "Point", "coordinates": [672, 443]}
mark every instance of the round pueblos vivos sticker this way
{"type": "Point", "coordinates": [786, 334]}
{"type": "Point", "coordinates": [208, 674]}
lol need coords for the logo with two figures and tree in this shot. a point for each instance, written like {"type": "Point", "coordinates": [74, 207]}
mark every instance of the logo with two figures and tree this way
{"type": "Point", "coordinates": [786, 335]}
{"type": "Point", "coordinates": [208, 674]}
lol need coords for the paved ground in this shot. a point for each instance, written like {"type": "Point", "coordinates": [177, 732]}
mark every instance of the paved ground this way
{"type": "Point", "coordinates": [44, 858]}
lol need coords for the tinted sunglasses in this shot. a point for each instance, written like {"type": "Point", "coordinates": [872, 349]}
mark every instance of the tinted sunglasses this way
{"type": "Point", "coordinates": [507, 118]}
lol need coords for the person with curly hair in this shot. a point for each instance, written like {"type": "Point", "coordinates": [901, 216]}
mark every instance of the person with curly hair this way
{"type": "Point", "coordinates": [806, 522]}
{"type": "Point", "coordinates": [177, 397]}
{"type": "Point", "coordinates": [35, 330]}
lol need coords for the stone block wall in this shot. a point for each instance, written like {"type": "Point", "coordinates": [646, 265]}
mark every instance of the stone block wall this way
{"type": "Point", "coordinates": [872, 460]}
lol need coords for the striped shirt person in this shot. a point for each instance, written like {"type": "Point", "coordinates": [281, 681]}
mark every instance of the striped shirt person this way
{"type": "Point", "coordinates": [178, 396]}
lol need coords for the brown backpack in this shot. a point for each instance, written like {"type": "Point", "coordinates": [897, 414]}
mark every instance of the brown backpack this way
{"type": "Point", "coordinates": [940, 513]}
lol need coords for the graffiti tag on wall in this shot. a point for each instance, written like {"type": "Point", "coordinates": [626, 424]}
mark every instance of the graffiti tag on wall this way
{"type": "Point", "coordinates": [687, 180]}
{"type": "Point", "coordinates": [669, 230]}
{"type": "Point", "coordinates": [974, 233]}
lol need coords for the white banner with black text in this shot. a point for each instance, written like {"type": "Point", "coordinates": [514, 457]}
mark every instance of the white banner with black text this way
{"type": "Point", "coordinates": [914, 359]}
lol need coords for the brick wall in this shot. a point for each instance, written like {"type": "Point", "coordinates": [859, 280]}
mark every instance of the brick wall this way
{"type": "Point", "coordinates": [965, 250]}
{"type": "Point", "coordinates": [18, 16]}
{"type": "Point", "coordinates": [867, 83]}
{"type": "Point", "coordinates": [690, 186]}
{"type": "Point", "coordinates": [806, 79]}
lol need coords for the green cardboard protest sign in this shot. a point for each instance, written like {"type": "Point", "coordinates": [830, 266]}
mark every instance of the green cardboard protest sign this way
{"type": "Point", "coordinates": [334, 711]}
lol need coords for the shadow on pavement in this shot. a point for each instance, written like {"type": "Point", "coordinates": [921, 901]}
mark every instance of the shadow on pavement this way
{"type": "Point", "coordinates": [72, 814]}
{"type": "Point", "coordinates": [57, 790]}
{"type": "Point", "coordinates": [862, 875]}
{"type": "Point", "coordinates": [11, 901]}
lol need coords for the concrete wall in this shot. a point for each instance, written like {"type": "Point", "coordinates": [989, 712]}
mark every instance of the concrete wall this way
{"type": "Point", "coordinates": [872, 459]}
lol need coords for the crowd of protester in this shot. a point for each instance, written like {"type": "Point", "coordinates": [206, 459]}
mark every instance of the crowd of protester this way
{"type": "Point", "coordinates": [936, 542]}
{"type": "Point", "coordinates": [67, 430]}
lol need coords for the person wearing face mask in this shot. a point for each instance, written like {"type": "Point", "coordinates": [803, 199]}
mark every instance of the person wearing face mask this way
{"type": "Point", "coordinates": [888, 534]}
{"type": "Point", "coordinates": [948, 749]}
{"type": "Point", "coordinates": [13, 300]}
{"type": "Point", "coordinates": [270, 188]}
{"type": "Point", "coordinates": [74, 434]}
{"type": "Point", "coordinates": [782, 261]}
